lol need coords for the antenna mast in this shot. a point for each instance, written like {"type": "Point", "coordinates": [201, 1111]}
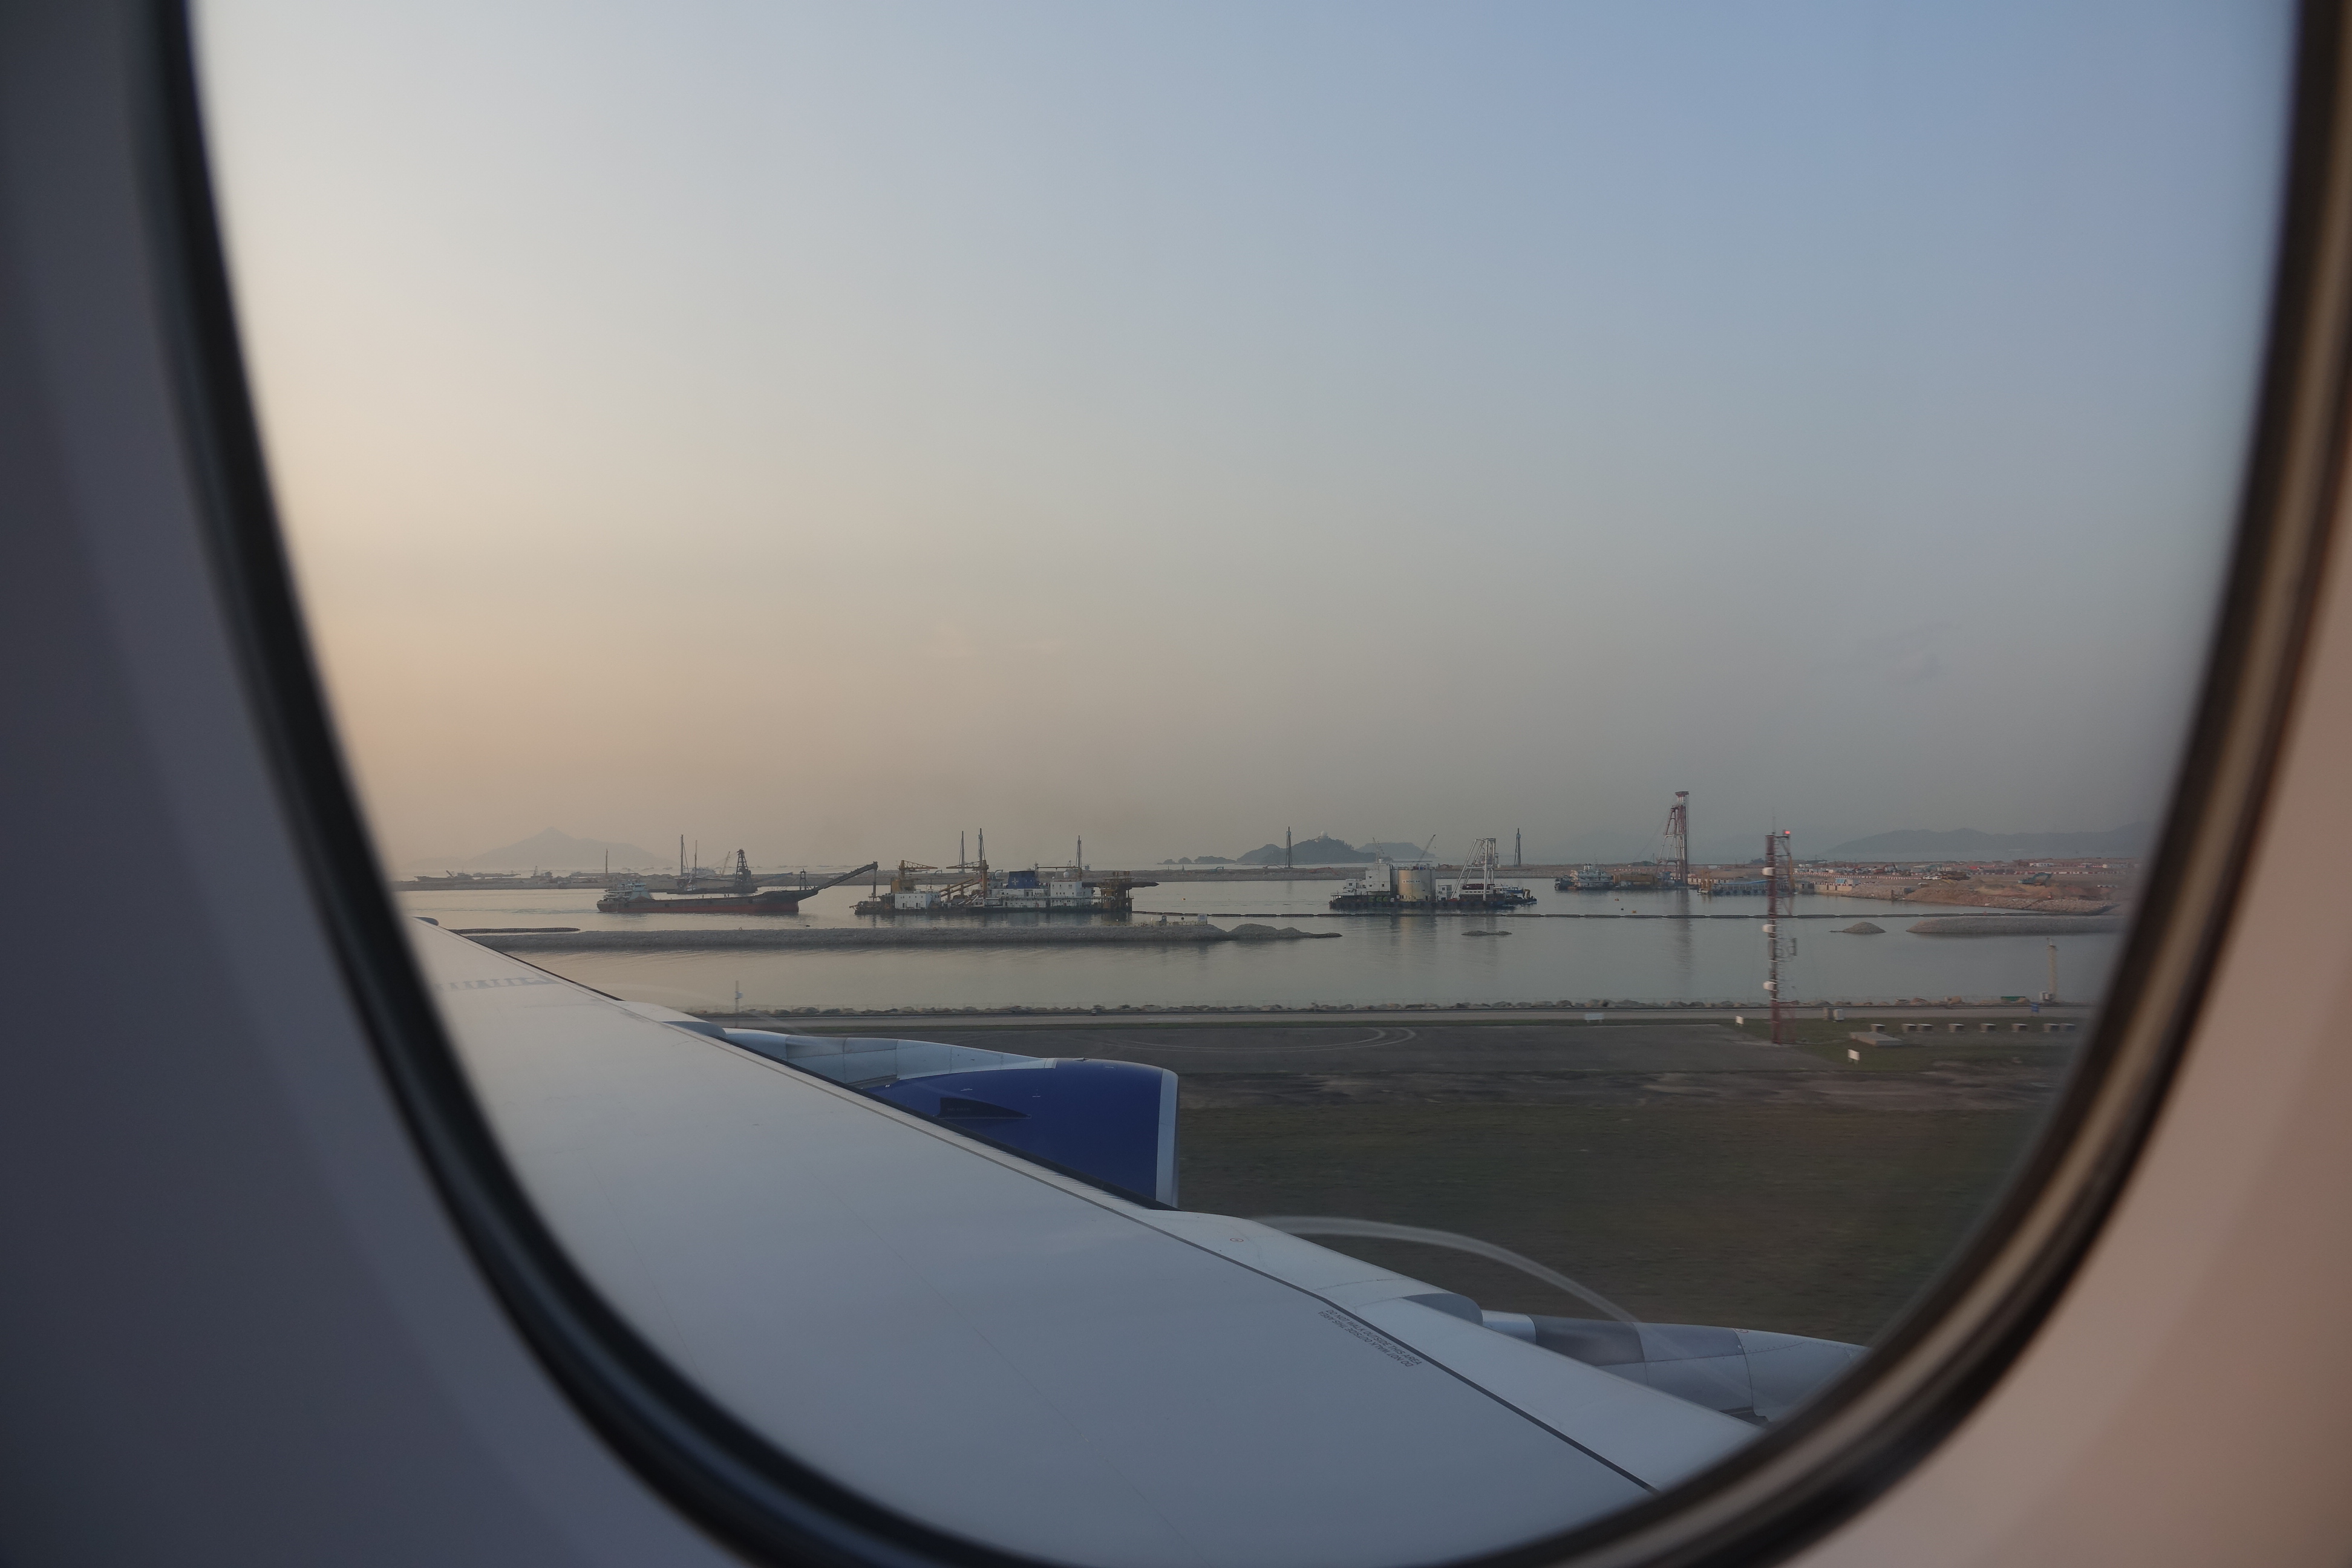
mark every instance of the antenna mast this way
{"type": "Point", "coordinates": [1776, 863]}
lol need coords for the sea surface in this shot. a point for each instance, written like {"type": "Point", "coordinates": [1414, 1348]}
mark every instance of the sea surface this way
{"type": "Point", "coordinates": [1609, 957]}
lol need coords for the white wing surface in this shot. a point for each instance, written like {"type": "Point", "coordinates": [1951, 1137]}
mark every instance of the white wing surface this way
{"type": "Point", "coordinates": [1015, 1356]}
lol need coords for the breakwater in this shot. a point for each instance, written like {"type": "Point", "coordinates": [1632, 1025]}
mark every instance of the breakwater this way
{"type": "Point", "coordinates": [2015, 925]}
{"type": "Point", "coordinates": [808, 938]}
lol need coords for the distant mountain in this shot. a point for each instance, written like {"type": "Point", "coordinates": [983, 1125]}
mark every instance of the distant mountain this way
{"type": "Point", "coordinates": [1393, 851]}
{"type": "Point", "coordinates": [554, 851]}
{"type": "Point", "coordinates": [1967, 843]}
{"type": "Point", "coordinates": [1320, 851]}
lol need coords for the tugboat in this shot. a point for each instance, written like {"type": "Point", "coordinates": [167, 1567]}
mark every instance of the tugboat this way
{"type": "Point", "coordinates": [1591, 879]}
{"type": "Point", "coordinates": [744, 897]}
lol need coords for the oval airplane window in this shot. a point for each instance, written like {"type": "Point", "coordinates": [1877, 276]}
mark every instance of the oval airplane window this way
{"type": "Point", "coordinates": [1278, 785]}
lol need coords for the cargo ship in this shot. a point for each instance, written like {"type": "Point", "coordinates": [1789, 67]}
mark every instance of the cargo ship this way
{"type": "Point", "coordinates": [744, 897]}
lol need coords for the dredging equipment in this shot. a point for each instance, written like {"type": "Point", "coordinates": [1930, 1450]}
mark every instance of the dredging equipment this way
{"type": "Point", "coordinates": [1482, 888]}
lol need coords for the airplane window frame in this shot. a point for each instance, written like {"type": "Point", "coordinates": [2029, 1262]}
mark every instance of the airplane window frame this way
{"type": "Point", "coordinates": [1791, 1484]}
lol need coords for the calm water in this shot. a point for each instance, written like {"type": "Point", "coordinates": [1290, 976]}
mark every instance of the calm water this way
{"type": "Point", "coordinates": [1426, 958]}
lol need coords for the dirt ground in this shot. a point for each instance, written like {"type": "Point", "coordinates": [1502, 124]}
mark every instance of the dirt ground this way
{"type": "Point", "coordinates": [1803, 1218]}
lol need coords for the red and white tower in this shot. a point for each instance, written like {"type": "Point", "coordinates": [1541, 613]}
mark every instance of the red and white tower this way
{"type": "Point", "coordinates": [1779, 899]}
{"type": "Point", "coordinates": [1673, 854]}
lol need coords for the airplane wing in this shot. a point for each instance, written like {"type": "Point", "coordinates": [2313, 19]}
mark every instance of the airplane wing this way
{"type": "Point", "coordinates": [1028, 1346]}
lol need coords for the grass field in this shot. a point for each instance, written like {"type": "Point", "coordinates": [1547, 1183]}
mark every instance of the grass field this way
{"type": "Point", "coordinates": [1684, 1169]}
{"type": "Point", "coordinates": [1806, 1219]}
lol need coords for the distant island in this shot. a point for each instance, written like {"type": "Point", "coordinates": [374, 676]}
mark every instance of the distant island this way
{"type": "Point", "coordinates": [1967, 843]}
{"type": "Point", "coordinates": [1320, 850]}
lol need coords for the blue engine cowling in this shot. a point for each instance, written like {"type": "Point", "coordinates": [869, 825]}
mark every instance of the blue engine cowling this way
{"type": "Point", "coordinates": [1109, 1123]}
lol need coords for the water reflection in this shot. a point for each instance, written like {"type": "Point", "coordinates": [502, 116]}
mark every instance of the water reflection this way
{"type": "Point", "coordinates": [1632, 947]}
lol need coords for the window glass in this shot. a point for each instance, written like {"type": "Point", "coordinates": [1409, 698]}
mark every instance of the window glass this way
{"type": "Point", "coordinates": [1280, 784]}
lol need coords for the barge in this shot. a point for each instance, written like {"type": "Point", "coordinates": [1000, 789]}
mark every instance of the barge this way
{"type": "Point", "coordinates": [1405, 888]}
{"type": "Point", "coordinates": [978, 890]}
{"type": "Point", "coordinates": [744, 898]}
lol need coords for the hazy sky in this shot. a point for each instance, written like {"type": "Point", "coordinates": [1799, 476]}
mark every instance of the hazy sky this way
{"type": "Point", "coordinates": [822, 429]}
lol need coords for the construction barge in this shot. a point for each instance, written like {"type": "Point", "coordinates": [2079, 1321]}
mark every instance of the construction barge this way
{"type": "Point", "coordinates": [1401, 889]}
{"type": "Point", "coordinates": [978, 890]}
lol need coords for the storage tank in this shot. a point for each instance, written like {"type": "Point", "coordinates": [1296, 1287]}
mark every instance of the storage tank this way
{"type": "Point", "coordinates": [1417, 884]}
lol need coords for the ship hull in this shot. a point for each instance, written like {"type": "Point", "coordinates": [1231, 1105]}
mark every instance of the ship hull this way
{"type": "Point", "coordinates": [884, 907]}
{"type": "Point", "coordinates": [766, 904]}
{"type": "Point", "coordinates": [1377, 903]}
